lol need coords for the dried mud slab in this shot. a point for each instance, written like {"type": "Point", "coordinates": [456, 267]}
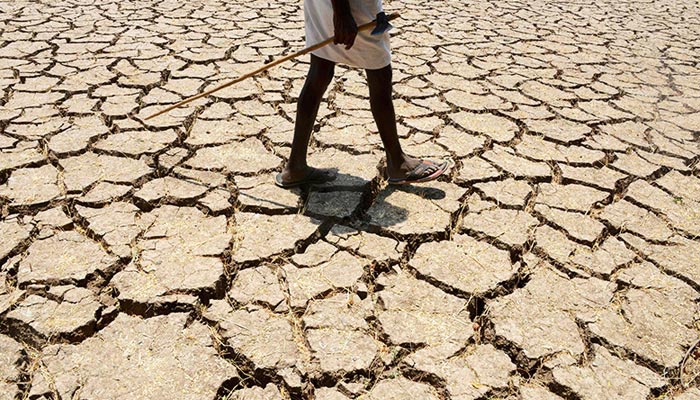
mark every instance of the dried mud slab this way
{"type": "Point", "coordinates": [84, 170]}
{"type": "Point", "coordinates": [78, 136]}
{"type": "Point", "coordinates": [541, 318]}
{"type": "Point", "coordinates": [160, 357]}
{"type": "Point", "coordinates": [329, 394]}
{"type": "Point", "coordinates": [614, 377]}
{"type": "Point", "coordinates": [170, 189]}
{"type": "Point", "coordinates": [137, 142]}
{"type": "Point", "coordinates": [543, 150]}
{"type": "Point", "coordinates": [354, 170]}
{"type": "Point", "coordinates": [559, 129]}
{"type": "Point", "coordinates": [104, 192]}
{"type": "Point", "coordinates": [415, 210]}
{"type": "Point", "coordinates": [117, 224]}
{"type": "Point", "coordinates": [682, 186]}
{"type": "Point", "coordinates": [578, 226]}
{"type": "Point", "coordinates": [654, 319]}
{"type": "Point", "coordinates": [411, 311]}
{"type": "Point", "coordinates": [205, 132]}
{"type": "Point", "coordinates": [537, 393]}
{"type": "Point", "coordinates": [634, 165]}
{"type": "Point", "coordinates": [626, 216]}
{"type": "Point", "coordinates": [52, 218]}
{"type": "Point", "coordinates": [259, 285]}
{"type": "Point", "coordinates": [476, 169]}
{"type": "Point", "coordinates": [401, 388]}
{"type": "Point", "coordinates": [682, 213]}
{"type": "Point", "coordinates": [605, 258]}
{"type": "Point", "coordinates": [9, 295]}
{"type": "Point", "coordinates": [505, 159]}
{"type": "Point", "coordinates": [12, 233]}
{"type": "Point", "coordinates": [689, 121]}
{"type": "Point", "coordinates": [497, 128]}
{"type": "Point", "coordinates": [569, 197]}
{"type": "Point", "coordinates": [341, 271]}
{"type": "Point", "coordinates": [69, 313]}
{"type": "Point", "coordinates": [468, 375]}
{"type": "Point", "coordinates": [10, 375]}
{"type": "Point", "coordinates": [63, 257]}
{"type": "Point", "coordinates": [338, 204]}
{"type": "Point", "coordinates": [512, 227]}
{"type": "Point", "coordinates": [258, 236]}
{"type": "Point", "coordinates": [178, 252]}
{"type": "Point", "coordinates": [689, 394]}
{"type": "Point", "coordinates": [459, 144]}
{"type": "Point", "coordinates": [604, 178]}
{"type": "Point", "coordinates": [261, 193]}
{"type": "Point", "coordinates": [19, 154]}
{"type": "Point", "coordinates": [464, 264]}
{"type": "Point", "coordinates": [240, 158]}
{"type": "Point", "coordinates": [372, 247]}
{"type": "Point", "coordinates": [260, 336]}
{"type": "Point", "coordinates": [679, 257]}
{"type": "Point", "coordinates": [339, 336]}
{"type": "Point", "coordinates": [509, 192]}
{"type": "Point", "coordinates": [270, 392]}
{"type": "Point", "coordinates": [32, 186]}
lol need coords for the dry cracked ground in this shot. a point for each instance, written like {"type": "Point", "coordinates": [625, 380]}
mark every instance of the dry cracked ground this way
{"type": "Point", "coordinates": [559, 259]}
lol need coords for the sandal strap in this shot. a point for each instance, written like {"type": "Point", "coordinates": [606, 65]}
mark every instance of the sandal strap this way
{"type": "Point", "coordinates": [422, 170]}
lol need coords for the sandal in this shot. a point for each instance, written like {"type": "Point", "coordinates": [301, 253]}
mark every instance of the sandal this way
{"type": "Point", "coordinates": [314, 175]}
{"type": "Point", "coordinates": [424, 172]}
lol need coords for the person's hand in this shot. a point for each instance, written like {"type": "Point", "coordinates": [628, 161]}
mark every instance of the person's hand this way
{"type": "Point", "coordinates": [345, 29]}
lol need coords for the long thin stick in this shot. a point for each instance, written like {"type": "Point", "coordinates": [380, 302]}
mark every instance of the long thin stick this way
{"type": "Point", "coordinates": [265, 67]}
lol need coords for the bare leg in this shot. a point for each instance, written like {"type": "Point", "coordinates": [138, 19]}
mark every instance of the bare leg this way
{"type": "Point", "coordinates": [317, 81]}
{"type": "Point", "coordinates": [380, 98]}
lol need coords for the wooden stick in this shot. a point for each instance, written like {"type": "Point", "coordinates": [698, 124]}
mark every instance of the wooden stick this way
{"type": "Point", "coordinates": [265, 67]}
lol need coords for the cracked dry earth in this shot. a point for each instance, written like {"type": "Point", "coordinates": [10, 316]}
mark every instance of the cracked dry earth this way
{"type": "Point", "coordinates": [559, 259]}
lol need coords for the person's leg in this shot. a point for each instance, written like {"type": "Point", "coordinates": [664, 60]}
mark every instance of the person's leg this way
{"type": "Point", "coordinates": [317, 81]}
{"type": "Point", "coordinates": [380, 97]}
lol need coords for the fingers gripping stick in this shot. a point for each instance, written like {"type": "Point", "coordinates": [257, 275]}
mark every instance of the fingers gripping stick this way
{"type": "Point", "coordinates": [379, 26]}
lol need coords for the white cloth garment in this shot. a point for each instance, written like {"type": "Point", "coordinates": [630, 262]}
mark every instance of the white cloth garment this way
{"type": "Point", "coordinates": [368, 52]}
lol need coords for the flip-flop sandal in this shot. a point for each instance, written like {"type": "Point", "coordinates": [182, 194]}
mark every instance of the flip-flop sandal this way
{"type": "Point", "coordinates": [421, 173]}
{"type": "Point", "coordinates": [315, 175]}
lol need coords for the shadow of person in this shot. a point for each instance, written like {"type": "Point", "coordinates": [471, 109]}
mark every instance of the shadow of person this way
{"type": "Point", "coordinates": [426, 192]}
{"type": "Point", "coordinates": [270, 220]}
{"type": "Point", "coordinates": [338, 199]}
{"type": "Point", "coordinates": [354, 203]}
{"type": "Point", "coordinates": [365, 202]}
{"type": "Point", "coordinates": [344, 198]}
{"type": "Point", "coordinates": [409, 210]}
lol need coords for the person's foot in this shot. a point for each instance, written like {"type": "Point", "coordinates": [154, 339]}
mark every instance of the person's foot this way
{"type": "Point", "coordinates": [289, 178]}
{"type": "Point", "coordinates": [415, 170]}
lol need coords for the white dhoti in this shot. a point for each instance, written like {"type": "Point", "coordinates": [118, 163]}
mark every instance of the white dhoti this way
{"type": "Point", "coordinates": [368, 52]}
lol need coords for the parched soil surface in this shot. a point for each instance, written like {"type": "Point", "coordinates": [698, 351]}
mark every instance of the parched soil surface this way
{"type": "Point", "coordinates": [558, 259]}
